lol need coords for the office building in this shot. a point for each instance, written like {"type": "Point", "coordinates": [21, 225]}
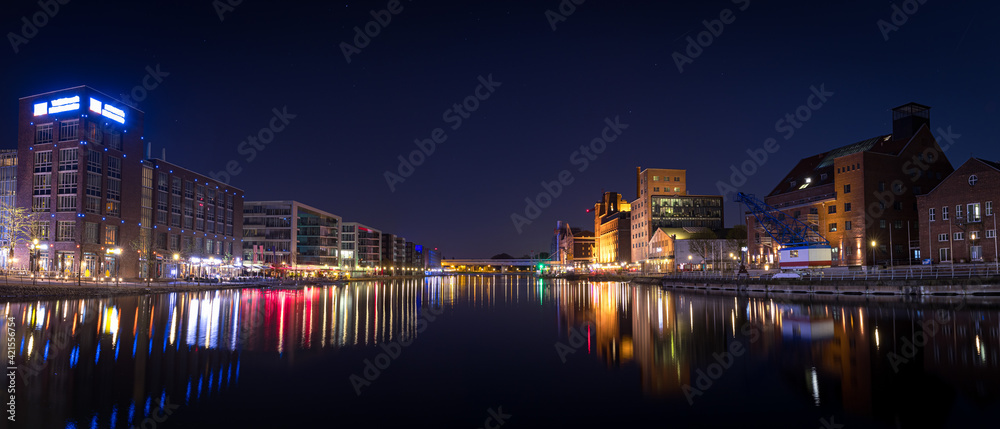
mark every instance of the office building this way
{"type": "Point", "coordinates": [291, 236]}
{"type": "Point", "coordinates": [662, 201]}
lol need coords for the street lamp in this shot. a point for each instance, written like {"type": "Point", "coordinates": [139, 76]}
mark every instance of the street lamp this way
{"type": "Point", "coordinates": [873, 254]}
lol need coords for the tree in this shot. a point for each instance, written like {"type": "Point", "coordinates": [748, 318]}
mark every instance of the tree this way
{"type": "Point", "coordinates": [705, 245]}
{"type": "Point", "coordinates": [736, 239]}
{"type": "Point", "coordinates": [15, 226]}
{"type": "Point", "coordinates": [142, 245]}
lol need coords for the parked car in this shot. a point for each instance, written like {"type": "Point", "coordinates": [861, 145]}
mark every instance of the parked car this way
{"type": "Point", "coordinates": [787, 276]}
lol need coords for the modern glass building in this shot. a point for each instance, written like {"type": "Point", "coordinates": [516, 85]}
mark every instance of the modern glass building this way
{"type": "Point", "coordinates": [686, 211]}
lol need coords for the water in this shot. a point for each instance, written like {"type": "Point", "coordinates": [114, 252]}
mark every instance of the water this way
{"type": "Point", "coordinates": [460, 351]}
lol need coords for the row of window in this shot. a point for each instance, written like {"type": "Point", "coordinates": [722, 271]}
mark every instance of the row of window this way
{"type": "Point", "coordinates": [972, 209]}
{"type": "Point", "coordinates": [194, 245]}
{"type": "Point", "coordinates": [665, 179]}
{"type": "Point", "coordinates": [70, 130]}
{"type": "Point", "coordinates": [851, 167]}
{"type": "Point", "coordinates": [973, 235]}
{"type": "Point", "coordinates": [66, 231]}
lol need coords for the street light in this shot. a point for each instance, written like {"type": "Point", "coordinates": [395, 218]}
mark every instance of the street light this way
{"type": "Point", "coordinates": [873, 254]}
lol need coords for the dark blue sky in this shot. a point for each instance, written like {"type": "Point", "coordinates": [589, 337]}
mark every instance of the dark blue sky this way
{"type": "Point", "coordinates": [556, 88]}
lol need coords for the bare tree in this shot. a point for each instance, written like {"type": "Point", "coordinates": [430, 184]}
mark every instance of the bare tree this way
{"type": "Point", "coordinates": [705, 245]}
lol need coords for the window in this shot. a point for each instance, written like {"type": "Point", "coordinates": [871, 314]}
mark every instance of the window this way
{"type": "Point", "coordinates": [655, 189]}
{"type": "Point", "coordinates": [942, 237]}
{"type": "Point", "coordinates": [958, 211]}
{"type": "Point", "coordinates": [677, 189]}
{"type": "Point", "coordinates": [114, 167]}
{"type": "Point", "coordinates": [831, 209]}
{"type": "Point", "coordinates": [43, 162]}
{"type": "Point", "coordinates": [931, 215]}
{"type": "Point", "coordinates": [69, 159]}
{"type": "Point", "coordinates": [881, 223]}
{"type": "Point", "coordinates": [162, 182]}
{"type": "Point", "coordinates": [93, 204]}
{"type": "Point", "coordinates": [41, 204]}
{"type": "Point", "coordinates": [161, 201]}
{"type": "Point", "coordinates": [989, 208]}
{"type": "Point", "coordinates": [899, 224]}
{"type": "Point", "coordinates": [161, 217]}
{"type": "Point", "coordinates": [944, 213]}
{"type": "Point", "coordinates": [67, 182]}
{"type": "Point", "coordinates": [69, 130]}
{"type": "Point", "coordinates": [833, 227]}
{"type": "Point", "coordinates": [43, 133]}
{"type": "Point", "coordinates": [111, 235]}
{"type": "Point", "coordinates": [973, 211]}
{"type": "Point", "coordinates": [898, 205]}
{"type": "Point", "coordinates": [114, 189]}
{"type": "Point", "coordinates": [881, 186]}
{"type": "Point", "coordinates": [677, 179]}
{"type": "Point", "coordinates": [656, 178]}
{"type": "Point", "coordinates": [847, 225]}
{"type": "Point", "coordinates": [161, 240]}
{"type": "Point", "coordinates": [94, 133]}
{"type": "Point", "coordinates": [847, 207]}
{"type": "Point", "coordinates": [115, 142]}
{"type": "Point", "coordinates": [40, 230]}
{"type": "Point", "coordinates": [973, 179]}
{"type": "Point", "coordinates": [175, 186]}
{"type": "Point", "coordinates": [65, 230]}
{"type": "Point", "coordinates": [42, 184]}
{"type": "Point", "coordinates": [94, 162]}
{"type": "Point", "coordinates": [823, 176]}
{"type": "Point", "coordinates": [175, 242]}
{"type": "Point", "coordinates": [188, 190]}
{"type": "Point", "coordinates": [959, 236]}
{"type": "Point", "coordinates": [175, 203]}
{"type": "Point", "coordinates": [67, 203]}
{"type": "Point", "coordinates": [991, 233]}
{"type": "Point", "coordinates": [90, 233]}
{"type": "Point", "coordinates": [847, 189]}
{"type": "Point", "coordinates": [945, 254]}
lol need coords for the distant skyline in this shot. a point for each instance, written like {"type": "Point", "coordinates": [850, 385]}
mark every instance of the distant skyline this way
{"type": "Point", "coordinates": [508, 95]}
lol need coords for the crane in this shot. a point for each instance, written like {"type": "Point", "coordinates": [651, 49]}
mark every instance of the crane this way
{"type": "Point", "coordinates": [800, 245]}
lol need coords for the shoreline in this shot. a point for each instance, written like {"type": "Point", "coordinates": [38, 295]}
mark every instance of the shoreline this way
{"type": "Point", "coordinates": [18, 290]}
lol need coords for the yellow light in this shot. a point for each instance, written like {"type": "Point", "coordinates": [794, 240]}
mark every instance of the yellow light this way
{"type": "Point", "coordinates": [873, 243]}
{"type": "Point", "coordinates": [176, 256]}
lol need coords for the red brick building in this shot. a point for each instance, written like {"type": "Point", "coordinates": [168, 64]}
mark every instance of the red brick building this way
{"type": "Point", "coordinates": [956, 218]}
{"type": "Point", "coordinates": [82, 173]}
{"type": "Point", "coordinates": [861, 193]}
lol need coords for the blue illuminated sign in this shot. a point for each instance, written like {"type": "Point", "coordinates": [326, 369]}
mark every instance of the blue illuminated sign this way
{"type": "Point", "coordinates": [68, 104]}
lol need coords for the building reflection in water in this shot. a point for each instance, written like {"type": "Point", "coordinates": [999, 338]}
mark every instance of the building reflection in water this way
{"type": "Point", "coordinates": [110, 362]}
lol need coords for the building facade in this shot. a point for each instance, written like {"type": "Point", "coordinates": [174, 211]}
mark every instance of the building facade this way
{"type": "Point", "coordinates": [612, 229]}
{"type": "Point", "coordinates": [289, 235]}
{"type": "Point", "coordinates": [80, 170]}
{"type": "Point", "coordinates": [8, 191]}
{"type": "Point", "coordinates": [860, 194]}
{"type": "Point", "coordinates": [663, 202]}
{"type": "Point", "coordinates": [575, 248]}
{"type": "Point", "coordinates": [196, 224]}
{"type": "Point", "coordinates": [957, 222]}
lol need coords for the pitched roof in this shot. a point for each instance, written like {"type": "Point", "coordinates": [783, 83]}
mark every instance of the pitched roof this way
{"type": "Point", "coordinates": [814, 167]}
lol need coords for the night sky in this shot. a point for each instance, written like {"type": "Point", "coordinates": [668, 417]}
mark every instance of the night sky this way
{"type": "Point", "coordinates": [606, 59]}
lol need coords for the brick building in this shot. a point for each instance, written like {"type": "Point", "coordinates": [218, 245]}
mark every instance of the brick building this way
{"type": "Point", "coordinates": [94, 198]}
{"type": "Point", "coordinates": [80, 169]}
{"type": "Point", "coordinates": [612, 229]}
{"type": "Point", "coordinates": [956, 218]}
{"type": "Point", "coordinates": [861, 193]}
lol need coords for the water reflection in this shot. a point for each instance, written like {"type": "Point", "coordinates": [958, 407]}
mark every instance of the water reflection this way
{"type": "Point", "coordinates": [111, 362]}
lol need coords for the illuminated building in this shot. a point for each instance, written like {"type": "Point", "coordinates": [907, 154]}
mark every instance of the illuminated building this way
{"type": "Point", "coordinates": [290, 235]}
{"type": "Point", "coordinates": [612, 227]}
{"type": "Point", "coordinates": [662, 201]}
{"type": "Point", "coordinates": [8, 187]}
{"type": "Point", "coordinates": [861, 193]}
{"type": "Point", "coordinates": [82, 172]}
{"type": "Point", "coordinates": [194, 218]}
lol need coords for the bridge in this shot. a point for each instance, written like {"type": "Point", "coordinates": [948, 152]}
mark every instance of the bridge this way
{"type": "Point", "coordinates": [491, 265]}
